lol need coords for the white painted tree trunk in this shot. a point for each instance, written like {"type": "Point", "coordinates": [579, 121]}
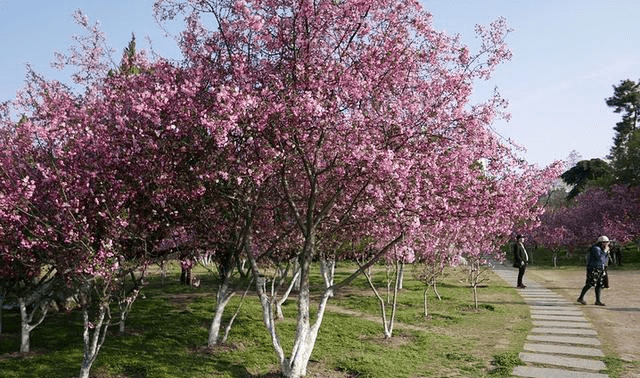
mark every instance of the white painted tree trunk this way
{"type": "Point", "coordinates": [426, 312]}
{"type": "Point", "coordinates": [475, 296]}
{"type": "Point", "coordinates": [26, 319]}
{"type": "Point", "coordinates": [305, 337]}
{"type": "Point", "coordinates": [222, 299]}
{"type": "Point", "coordinates": [225, 293]}
{"type": "Point", "coordinates": [93, 336]}
{"type": "Point", "coordinates": [216, 323]}
{"type": "Point", "coordinates": [125, 307]}
{"type": "Point", "coordinates": [285, 296]}
{"type": "Point", "coordinates": [387, 323]}
{"type": "Point", "coordinates": [426, 299]}
{"type": "Point", "coordinates": [306, 334]}
{"type": "Point", "coordinates": [476, 277]}
{"type": "Point", "coordinates": [25, 329]}
{"type": "Point", "coordinates": [235, 314]}
{"type": "Point", "coordinates": [121, 323]}
{"type": "Point", "coordinates": [328, 270]}
{"type": "Point", "coordinates": [435, 289]}
{"type": "Point", "coordinates": [163, 272]}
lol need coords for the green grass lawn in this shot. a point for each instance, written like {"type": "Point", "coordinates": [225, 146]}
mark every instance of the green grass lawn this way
{"type": "Point", "coordinates": [167, 333]}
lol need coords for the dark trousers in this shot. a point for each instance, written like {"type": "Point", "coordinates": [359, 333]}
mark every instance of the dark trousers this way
{"type": "Point", "coordinates": [521, 271]}
{"type": "Point", "coordinates": [595, 279]}
{"type": "Point", "coordinates": [586, 288]}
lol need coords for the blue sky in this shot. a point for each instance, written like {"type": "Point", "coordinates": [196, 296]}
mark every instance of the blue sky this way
{"type": "Point", "coordinates": [567, 55]}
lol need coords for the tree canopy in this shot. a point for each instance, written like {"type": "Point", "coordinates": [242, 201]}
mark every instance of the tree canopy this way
{"type": "Point", "coordinates": [288, 131]}
{"type": "Point", "coordinates": [585, 173]}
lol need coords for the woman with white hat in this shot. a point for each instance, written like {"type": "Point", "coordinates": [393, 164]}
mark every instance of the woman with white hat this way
{"type": "Point", "coordinates": [596, 262]}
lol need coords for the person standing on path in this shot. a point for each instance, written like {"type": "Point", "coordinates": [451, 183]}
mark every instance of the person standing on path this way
{"type": "Point", "coordinates": [596, 262]}
{"type": "Point", "coordinates": [520, 259]}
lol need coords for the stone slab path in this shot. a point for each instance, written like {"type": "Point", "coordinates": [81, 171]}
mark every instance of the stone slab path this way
{"type": "Point", "coordinates": [562, 344]}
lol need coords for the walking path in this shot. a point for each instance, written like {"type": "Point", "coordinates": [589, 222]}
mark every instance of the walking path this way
{"type": "Point", "coordinates": [562, 344]}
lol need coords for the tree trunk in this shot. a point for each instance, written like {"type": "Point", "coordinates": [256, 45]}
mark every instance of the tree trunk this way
{"type": "Point", "coordinates": [228, 327]}
{"type": "Point", "coordinates": [285, 296]}
{"type": "Point", "coordinates": [214, 329]}
{"type": "Point", "coordinates": [306, 334]}
{"type": "Point", "coordinates": [163, 272]}
{"type": "Point", "coordinates": [25, 329]}
{"type": "Point", "coordinates": [328, 269]}
{"type": "Point", "coordinates": [185, 276]}
{"type": "Point", "coordinates": [93, 340]}
{"type": "Point", "coordinates": [223, 297]}
{"type": "Point", "coordinates": [125, 307]}
{"type": "Point", "coordinates": [26, 319]}
{"type": "Point", "coordinates": [426, 314]}
{"type": "Point", "coordinates": [435, 289]}
{"type": "Point", "coordinates": [475, 296]}
{"type": "Point", "coordinates": [387, 324]}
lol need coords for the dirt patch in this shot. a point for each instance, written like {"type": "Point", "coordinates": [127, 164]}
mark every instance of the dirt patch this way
{"type": "Point", "coordinates": [616, 323]}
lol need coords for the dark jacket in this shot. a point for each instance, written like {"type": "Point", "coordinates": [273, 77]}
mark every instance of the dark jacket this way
{"type": "Point", "coordinates": [598, 258]}
{"type": "Point", "coordinates": [519, 255]}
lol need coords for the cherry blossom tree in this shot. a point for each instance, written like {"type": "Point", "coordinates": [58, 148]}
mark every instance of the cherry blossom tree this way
{"type": "Point", "coordinates": [597, 211]}
{"type": "Point", "coordinates": [359, 111]}
{"type": "Point", "coordinates": [24, 273]}
{"type": "Point", "coordinates": [430, 270]}
{"type": "Point", "coordinates": [110, 171]}
{"type": "Point", "coordinates": [69, 205]}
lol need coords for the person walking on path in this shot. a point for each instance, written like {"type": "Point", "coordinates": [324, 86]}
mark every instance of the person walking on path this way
{"type": "Point", "coordinates": [520, 259]}
{"type": "Point", "coordinates": [596, 262]}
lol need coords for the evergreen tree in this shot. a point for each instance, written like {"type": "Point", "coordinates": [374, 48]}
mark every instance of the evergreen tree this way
{"type": "Point", "coordinates": [625, 153]}
{"type": "Point", "coordinates": [594, 172]}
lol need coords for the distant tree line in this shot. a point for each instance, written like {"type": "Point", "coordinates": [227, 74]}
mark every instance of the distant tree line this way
{"type": "Point", "coordinates": [604, 194]}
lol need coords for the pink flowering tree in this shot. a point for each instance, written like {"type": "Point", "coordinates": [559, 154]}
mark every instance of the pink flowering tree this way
{"type": "Point", "coordinates": [358, 114]}
{"type": "Point", "coordinates": [113, 170]}
{"type": "Point", "coordinates": [597, 211]}
{"type": "Point", "coordinates": [72, 204]}
{"type": "Point", "coordinates": [554, 231]}
{"type": "Point", "coordinates": [26, 273]}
